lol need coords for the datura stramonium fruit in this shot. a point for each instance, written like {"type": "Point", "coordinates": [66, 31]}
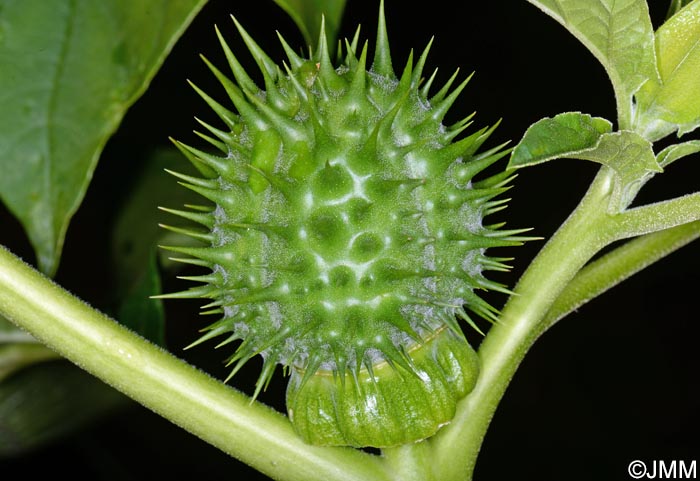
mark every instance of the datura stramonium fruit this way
{"type": "Point", "coordinates": [345, 237]}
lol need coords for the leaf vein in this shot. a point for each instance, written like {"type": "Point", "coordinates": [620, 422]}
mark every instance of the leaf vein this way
{"type": "Point", "coordinates": [52, 109]}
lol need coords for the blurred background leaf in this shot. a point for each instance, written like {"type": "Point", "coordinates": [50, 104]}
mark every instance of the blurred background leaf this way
{"type": "Point", "coordinates": [70, 69]}
{"type": "Point", "coordinates": [138, 311]}
{"type": "Point", "coordinates": [306, 14]}
{"type": "Point", "coordinates": [675, 6]}
{"type": "Point", "coordinates": [47, 401]}
{"type": "Point", "coordinates": [18, 349]}
{"type": "Point", "coordinates": [136, 233]}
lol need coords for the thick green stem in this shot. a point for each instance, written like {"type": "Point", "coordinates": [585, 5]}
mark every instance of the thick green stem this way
{"type": "Point", "coordinates": [225, 418]}
{"type": "Point", "coordinates": [410, 462]}
{"type": "Point", "coordinates": [585, 232]}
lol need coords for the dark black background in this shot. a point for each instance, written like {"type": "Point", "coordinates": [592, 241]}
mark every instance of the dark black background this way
{"type": "Point", "coordinates": [613, 382]}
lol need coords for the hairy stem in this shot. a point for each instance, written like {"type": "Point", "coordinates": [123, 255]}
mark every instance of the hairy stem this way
{"type": "Point", "coordinates": [538, 302]}
{"type": "Point", "coordinates": [618, 265]}
{"type": "Point", "coordinates": [586, 231]}
{"type": "Point", "coordinates": [225, 418]}
{"type": "Point", "coordinates": [658, 216]}
{"type": "Point", "coordinates": [410, 462]}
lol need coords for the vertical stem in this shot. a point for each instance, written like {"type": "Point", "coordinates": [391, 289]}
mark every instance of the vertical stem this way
{"type": "Point", "coordinates": [585, 232]}
{"type": "Point", "coordinates": [410, 462]}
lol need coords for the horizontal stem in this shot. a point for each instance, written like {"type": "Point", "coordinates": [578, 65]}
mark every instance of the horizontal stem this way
{"type": "Point", "coordinates": [220, 415]}
{"type": "Point", "coordinates": [659, 216]}
{"type": "Point", "coordinates": [618, 265]}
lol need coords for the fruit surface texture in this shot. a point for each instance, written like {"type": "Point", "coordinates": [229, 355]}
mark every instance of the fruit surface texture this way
{"type": "Point", "coordinates": [344, 237]}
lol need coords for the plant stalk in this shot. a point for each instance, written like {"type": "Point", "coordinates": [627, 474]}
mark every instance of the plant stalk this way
{"type": "Point", "coordinates": [586, 231]}
{"type": "Point", "coordinates": [410, 462]}
{"type": "Point", "coordinates": [220, 415]}
{"type": "Point", "coordinates": [618, 265]}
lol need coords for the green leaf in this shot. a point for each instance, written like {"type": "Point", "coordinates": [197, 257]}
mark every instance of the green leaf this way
{"type": "Point", "coordinates": [631, 157]}
{"type": "Point", "coordinates": [675, 99]}
{"type": "Point", "coordinates": [44, 402]}
{"type": "Point", "coordinates": [18, 355]}
{"type": "Point", "coordinates": [9, 333]}
{"type": "Point", "coordinates": [136, 231]}
{"type": "Point", "coordinates": [559, 136]}
{"type": "Point", "coordinates": [677, 151]}
{"type": "Point", "coordinates": [579, 136]}
{"type": "Point", "coordinates": [307, 15]}
{"type": "Point", "coordinates": [620, 35]}
{"type": "Point", "coordinates": [18, 349]}
{"type": "Point", "coordinates": [139, 312]}
{"type": "Point", "coordinates": [70, 69]}
{"type": "Point", "coordinates": [136, 236]}
{"type": "Point", "coordinates": [675, 7]}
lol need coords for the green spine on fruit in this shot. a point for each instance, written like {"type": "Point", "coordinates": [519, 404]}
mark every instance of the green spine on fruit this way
{"type": "Point", "coordinates": [345, 238]}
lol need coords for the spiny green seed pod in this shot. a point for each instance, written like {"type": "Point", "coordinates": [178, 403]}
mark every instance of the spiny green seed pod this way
{"type": "Point", "coordinates": [345, 237]}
